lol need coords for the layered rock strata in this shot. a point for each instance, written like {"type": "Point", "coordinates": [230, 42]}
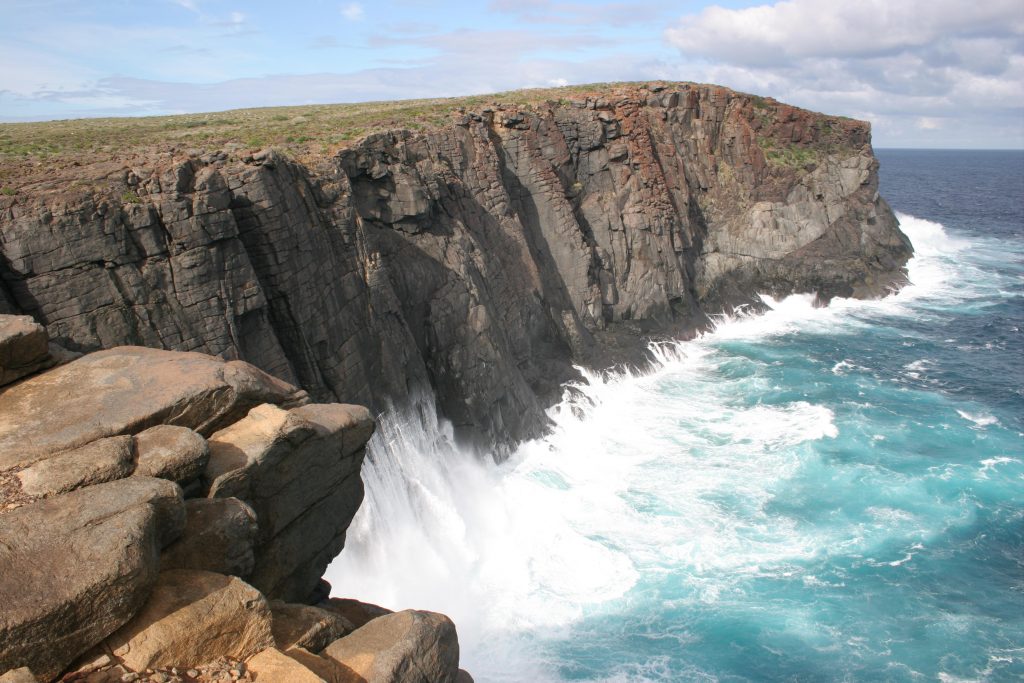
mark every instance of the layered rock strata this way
{"type": "Point", "coordinates": [479, 260]}
{"type": "Point", "coordinates": [167, 516]}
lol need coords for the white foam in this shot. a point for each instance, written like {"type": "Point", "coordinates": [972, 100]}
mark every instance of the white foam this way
{"type": "Point", "coordinates": [979, 419]}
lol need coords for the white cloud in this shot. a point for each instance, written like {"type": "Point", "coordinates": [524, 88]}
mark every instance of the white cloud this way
{"type": "Point", "coordinates": [353, 11]}
{"type": "Point", "coordinates": [913, 67]}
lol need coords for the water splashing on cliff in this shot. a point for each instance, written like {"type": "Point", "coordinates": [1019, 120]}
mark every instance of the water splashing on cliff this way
{"type": "Point", "coordinates": [661, 506]}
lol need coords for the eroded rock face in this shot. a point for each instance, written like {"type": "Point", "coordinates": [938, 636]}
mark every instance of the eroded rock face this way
{"type": "Point", "coordinates": [404, 647]}
{"type": "Point", "coordinates": [299, 470]}
{"type": "Point", "coordinates": [482, 259]}
{"type": "Point", "coordinates": [75, 567]}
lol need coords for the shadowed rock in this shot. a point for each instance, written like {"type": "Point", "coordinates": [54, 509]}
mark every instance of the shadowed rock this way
{"type": "Point", "coordinates": [355, 612]}
{"type": "Point", "coordinates": [77, 566]}
{"type": "Point", "coordinates": [219, 536]}
{"type": "Point", "coordinates": [23, 347]}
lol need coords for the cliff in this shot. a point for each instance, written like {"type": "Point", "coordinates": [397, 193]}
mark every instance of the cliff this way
{"type": "Point", "coordinates": [480, 258]}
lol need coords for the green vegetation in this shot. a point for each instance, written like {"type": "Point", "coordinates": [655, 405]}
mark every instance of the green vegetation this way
{"type": "Point", "coordinates": [8, 192]}
{"type": "Point", "coordinates": [302, 132]}
{"type": "Point", "coordinates": [130, 197]}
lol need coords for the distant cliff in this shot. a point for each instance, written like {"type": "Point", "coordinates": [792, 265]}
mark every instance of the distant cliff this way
{"type": "Point", "coordinates": [482, 258]}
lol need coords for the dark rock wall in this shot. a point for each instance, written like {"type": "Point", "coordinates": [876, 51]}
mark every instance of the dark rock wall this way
{"type": "Point", "coordinates": [481, 259]}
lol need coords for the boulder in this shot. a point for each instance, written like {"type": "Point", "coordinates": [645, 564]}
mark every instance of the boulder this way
{"type": "Point", "coordinates": [406, 647]}
{"type": "Point", "coordinates": [273, 666]}
{"type": "Point", "coordinates": [355, 612]}
{"type": "Point", "coordinates": [77, 566]}
{"type": "Point", "coordinates": [100, 461]}
{"type": "Point", "coordinates": [24, 347]}
{"type": "Point", "coordinates": [170, 452]}
{"type": "Point", "coordinates": [193, 617]}
{"type": "Point", "coordinates": [299, 470]}
{"type": "Point", "coordinates": [123, 391]}
{"type": "Point", "coordinates": [306, 626]}
{"type": "Point", "coordinates": [219, 537]}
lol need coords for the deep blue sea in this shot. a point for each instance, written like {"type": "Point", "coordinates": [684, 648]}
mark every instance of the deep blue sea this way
{"type": "Point", "coordinates": [811, 494]}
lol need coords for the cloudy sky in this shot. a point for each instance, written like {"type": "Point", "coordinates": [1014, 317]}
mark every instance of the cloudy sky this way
{"type": "Point", "coordinates": [927, 73]}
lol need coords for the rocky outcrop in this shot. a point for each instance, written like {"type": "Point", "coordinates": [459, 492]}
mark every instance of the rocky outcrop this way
{"type": "Point", "coordinates": [107, 569]}
{"type": "Point", "coordinates": [480, 260]}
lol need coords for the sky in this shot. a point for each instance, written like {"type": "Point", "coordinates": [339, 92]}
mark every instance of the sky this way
{"type": "Point", "coordinates": [926, 73]}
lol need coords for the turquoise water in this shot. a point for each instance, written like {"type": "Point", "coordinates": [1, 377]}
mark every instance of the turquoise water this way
{"type": "Point", "coordinates": [807, 495]}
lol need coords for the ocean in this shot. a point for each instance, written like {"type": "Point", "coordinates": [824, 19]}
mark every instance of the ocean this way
{"type": "Point", "coordinates": [811, 494]}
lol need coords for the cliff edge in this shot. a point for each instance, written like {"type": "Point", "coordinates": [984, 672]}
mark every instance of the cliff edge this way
{"type": "Point", "coordinates": [480, 258]}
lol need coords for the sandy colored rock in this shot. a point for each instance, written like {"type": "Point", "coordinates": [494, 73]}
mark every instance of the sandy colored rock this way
{"type": "Point", "coordinates": [24, 347]}
{"type": "Point", "coordinates": [219, 536]}
{"type": "Point", "coordinates": [299, 470]}
{"type": "Point", "coordinates": [170, 452]}
{"type": "Point", "coordinates": [192, 617]}
{"type": "Point", "coordinates": [355, 612]}
{"type": "Point", "coordinates": [325, 668]}
{"type": "Point", "coordinates": [306, 626]}
{"type": "Point", "coordinates": [100, 461]}
{"type": "Point", "coordinates": [123, 391]}
{"type": "Point", "coordinates": [273, 666]}
{"type": "Point", "coordinates": [77, 566]}
{"type": "Point", "coordinates": [405, 647]}
{"type": "Point", "coordinates": [22, 675]}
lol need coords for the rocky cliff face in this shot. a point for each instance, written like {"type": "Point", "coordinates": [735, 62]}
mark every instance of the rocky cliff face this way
{"type": "Point", "coordinates": [481, 259]}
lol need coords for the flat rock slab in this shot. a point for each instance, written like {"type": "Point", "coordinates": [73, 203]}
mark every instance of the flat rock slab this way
{"type": "Point", "coordinates": [100, 461]}
{"type": "Point", "coordinates": [193, 617]}
{"type": "Point", "coordinates": [124, 391]}
{"type": "Point", "coordinates": [170, 452]}
{"type": "Point", "coordinates": [274, 665]}
{"type": "Point", "coordinates": [405, 647]}
{"type": "Point", "coordinates": [24, 347]}
{"type": "Point", "coordinates": [219, 536]}
{"type": "Point", "coordinates": [77, 566]}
